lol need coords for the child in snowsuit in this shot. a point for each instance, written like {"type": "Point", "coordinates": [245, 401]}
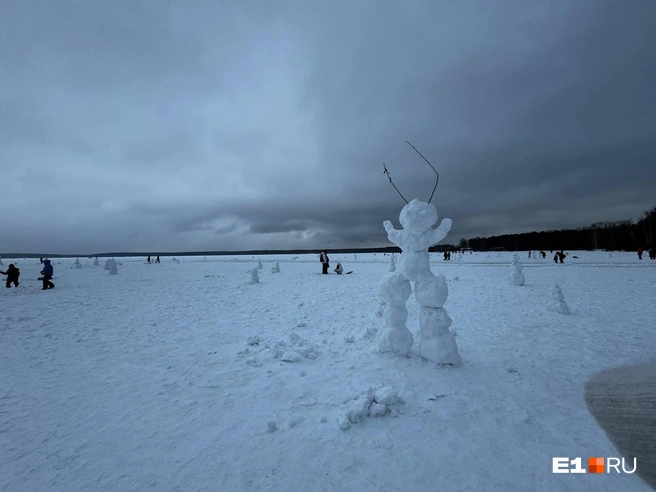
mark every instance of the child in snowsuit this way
{"type": "Point", "coordinates": [12, 274]}
{"type": "Point", "coordinates": [339, 270]}
{"type": "Point", "coordinates": [47, 275]}
{"type": "Point", "coordinates": [325, 262]}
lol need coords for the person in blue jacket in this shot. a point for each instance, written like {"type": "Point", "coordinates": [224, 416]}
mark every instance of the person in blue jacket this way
{"type": "Point", "coordinates": [47, 275]}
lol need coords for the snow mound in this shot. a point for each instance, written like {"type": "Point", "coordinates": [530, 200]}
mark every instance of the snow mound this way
{"type": "Point", "coordinates": [291, 356]}
{"type": "Point", "coordinates": [373, 402]}
{"type": "Point", "coordinates": [254, 340]}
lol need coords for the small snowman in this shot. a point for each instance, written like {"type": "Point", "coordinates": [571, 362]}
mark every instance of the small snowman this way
{"type": "Point", "coordinates": [255, 278]}
{"type": "Point", "coordinates": [392, 264]}
{"type": "Point", "coordinates": [558, 300]}
{"type": "Point", "coordinates": [95, 262]}
{"type": "Point", "coordinates": [516, 275]}
{"type": "Point", "coordinates": [77, 263]}
{"type": "Point", "coordinates": [111, 266]}
{"type": "Point", "coordinates": [259, 264]}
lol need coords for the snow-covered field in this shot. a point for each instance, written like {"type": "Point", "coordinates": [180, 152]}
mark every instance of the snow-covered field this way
{"type": "Point", "coordinates": [146, 380]}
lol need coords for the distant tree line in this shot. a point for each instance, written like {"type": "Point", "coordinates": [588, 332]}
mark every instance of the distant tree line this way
{"type": "Point", "coordinates": [623, 235]}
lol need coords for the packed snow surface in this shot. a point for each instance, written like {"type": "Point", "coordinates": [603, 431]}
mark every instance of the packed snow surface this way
{"type": "Point", "coordinates": [174, 376]}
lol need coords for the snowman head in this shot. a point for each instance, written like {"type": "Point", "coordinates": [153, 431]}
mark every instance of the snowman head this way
{"type": "Point", "coordinates": [418, 216]}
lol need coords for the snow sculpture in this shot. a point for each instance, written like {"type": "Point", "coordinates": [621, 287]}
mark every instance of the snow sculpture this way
{"type": "Point", "coordinates": [276, 268]}
{"type": "Point", "coordinates": [95, 262]}
{"type": "Point", "coordinates": [392, 264]}
{"type": "Point", "coordinates": [517, 277]}
{"type": "Point", "coordinates": [111, 266]}
{"type": "Point", "coordinates": [255, 278]}
{"type": "Point", "coordinates": [559, 303]}
{"type": "Point", "coordinates": [107, 264]}
{"type": "Point", "coordinates": [394, 290]}
{"type": "Point", "coordinates": [77, 263]}
{"type": "Point", "coordinates": [259, 264]}
{"type": "Point", "coordinates": [436, 342]}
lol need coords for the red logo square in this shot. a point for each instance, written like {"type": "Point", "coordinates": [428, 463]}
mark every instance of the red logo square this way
{"type": "Point", "coordinates": [595, 465]}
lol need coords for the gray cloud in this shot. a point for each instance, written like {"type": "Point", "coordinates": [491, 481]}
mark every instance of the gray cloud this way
{"type": "Point", "coordinates": [137, 125]}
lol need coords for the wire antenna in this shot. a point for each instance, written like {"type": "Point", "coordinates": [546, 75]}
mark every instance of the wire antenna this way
{"type": "Point", "coordinates": [438, 174]}
{"type": "Point", "coordinates": [385, 171]}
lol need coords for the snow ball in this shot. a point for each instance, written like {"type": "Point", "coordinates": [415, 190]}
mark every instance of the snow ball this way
{"type": "Point", "coordinates": [301, 325]}
{"type": "Point", "coordinates": [271, 426]}
{"type": "Point", "coordinates": [349, 339]}
{"type": "Point", "coordinates": [359, 409]}
{"type": "Point", "coordinates": [254, 340]}
{"type": "Point", "coordinates": [291, 356]}
{"type": "Point", "coordinates": [377, 410]}
{"type": "Point", "coordinates": [344, 422]}
{"type": "Point", "coordinates": [387, 396]}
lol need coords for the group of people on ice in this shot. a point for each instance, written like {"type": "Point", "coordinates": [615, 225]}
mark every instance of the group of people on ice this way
{"type": "Point", "coordinates": [156, 261]}
{"type": "Point", "coordinates": [325, 264]}
{"type": "Point", "coordinates": [652, 253]}
{"type": "Point", "coordinates": [13, 273]}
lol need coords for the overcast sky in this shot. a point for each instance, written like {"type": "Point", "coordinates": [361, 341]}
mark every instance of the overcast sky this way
{"type": "Point", "coordinates": [213, 125]}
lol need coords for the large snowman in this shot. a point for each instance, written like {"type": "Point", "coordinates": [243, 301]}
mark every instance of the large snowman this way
{"type": "Point", "coordinates": [436, 342]}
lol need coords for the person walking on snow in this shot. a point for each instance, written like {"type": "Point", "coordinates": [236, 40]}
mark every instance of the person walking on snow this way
{"type": "Point", "coordinates": [47, 275]}
{"type": "Point", "coordinates": [640, 251]}
{"type": "Point", "coordinates": [157, 260]}
{"type": "Point", "coordinates": [12, 274]}
{"type": "Point", "coordinates": [325, 262]}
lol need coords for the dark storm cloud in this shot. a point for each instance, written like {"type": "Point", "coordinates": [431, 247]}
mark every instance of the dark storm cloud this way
{"type": "Point", "coordinates": [163, 126]}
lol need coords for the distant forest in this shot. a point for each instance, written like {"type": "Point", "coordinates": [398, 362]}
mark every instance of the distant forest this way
{"type": "Point", "coordinates": [624, 235]}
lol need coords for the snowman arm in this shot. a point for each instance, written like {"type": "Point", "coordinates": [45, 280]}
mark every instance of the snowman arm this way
{"type": "Point", "coordinates": [440, 233]}
{"type": "Point", "coordinates": [392, 234]}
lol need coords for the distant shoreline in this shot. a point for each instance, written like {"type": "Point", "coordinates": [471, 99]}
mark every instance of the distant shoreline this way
{"type": "Point", "coordinates": [390, 249]}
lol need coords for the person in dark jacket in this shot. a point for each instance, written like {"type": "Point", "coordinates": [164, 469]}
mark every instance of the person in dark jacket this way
{"type": "Point", "coordinates": [12, 274]}
{"type": "Point", "coordinates": [47, 275]}
{"type": "Point", "coordinates": [148, 260]}
{"type": "Point", "coordinates": [325, 262]}
{"type": "Point", "coordinates": [157, 260]}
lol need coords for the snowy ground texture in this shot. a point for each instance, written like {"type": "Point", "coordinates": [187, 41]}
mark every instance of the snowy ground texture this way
{"type": "Point", "coordinates": [170, 377]}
